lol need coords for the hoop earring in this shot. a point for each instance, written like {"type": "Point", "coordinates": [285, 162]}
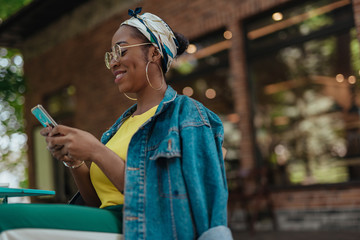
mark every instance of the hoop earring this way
{"type": "Point", "coordinates": [134, 99]}
{"type": "Point", "coordinates": [147, 76]}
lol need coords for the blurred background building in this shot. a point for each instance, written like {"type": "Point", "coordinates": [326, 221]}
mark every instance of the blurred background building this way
{"type": "Point", "coordinates": [282, 75]}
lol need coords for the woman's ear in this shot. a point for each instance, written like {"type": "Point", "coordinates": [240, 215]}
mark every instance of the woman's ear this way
{"type": "Point", "coordinates": [155, 55]}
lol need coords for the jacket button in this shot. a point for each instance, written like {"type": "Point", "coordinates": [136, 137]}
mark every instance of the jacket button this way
{"type": "Point", "coordinates": [169, 144]}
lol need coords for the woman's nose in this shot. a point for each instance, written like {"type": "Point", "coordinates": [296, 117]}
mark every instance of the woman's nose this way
{"type": "Point", "coordinates": [114, 63]}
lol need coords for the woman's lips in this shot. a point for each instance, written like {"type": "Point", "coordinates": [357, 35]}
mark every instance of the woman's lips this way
{"type": "Point", "coordinates": [119, 75]}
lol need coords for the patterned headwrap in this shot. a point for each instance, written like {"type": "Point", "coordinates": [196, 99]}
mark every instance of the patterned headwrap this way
{"type": "Point", "coordinates": [158, 33]}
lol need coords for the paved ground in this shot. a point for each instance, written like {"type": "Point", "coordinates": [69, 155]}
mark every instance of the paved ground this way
{"type": "Point", "coordinates": [331, 235]}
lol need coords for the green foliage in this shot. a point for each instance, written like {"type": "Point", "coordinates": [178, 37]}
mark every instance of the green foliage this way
{"type": "Point", "coordinates": [12, 136]}
{"type": "Point", "coordinates": [9, 7]}
{"type": "Point", "coordinates": [12, 84]}
{"type": "Point", "coordinates": [12, 87]}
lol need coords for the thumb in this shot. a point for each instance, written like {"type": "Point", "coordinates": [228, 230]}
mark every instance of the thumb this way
{"type": "Point", "coordinates": [45, 131]}
{"type": "Point", "coordinates": [60, 130]}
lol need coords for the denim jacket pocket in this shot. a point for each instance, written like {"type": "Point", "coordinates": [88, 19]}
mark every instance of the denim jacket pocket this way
{"type": "Point", "coordinates": [166, 157]}
{"type": "Point", "coordinates": [168, 147]}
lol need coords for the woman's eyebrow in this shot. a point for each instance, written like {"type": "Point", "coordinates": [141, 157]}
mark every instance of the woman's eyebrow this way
{"type": "Point", "coordinates": [122, 42]}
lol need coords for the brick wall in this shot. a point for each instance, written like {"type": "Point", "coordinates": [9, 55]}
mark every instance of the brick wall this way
{"type": "Point", "coordinates": [325, 197]}
{"type": "Point", "coordinates": [323, 208]}
{"type": "Point", "coordinates": [79, 61]}
{"type": "Point", "coordinates": [320, 208]}
{"type": "Point", "coordinates": [356, 8]}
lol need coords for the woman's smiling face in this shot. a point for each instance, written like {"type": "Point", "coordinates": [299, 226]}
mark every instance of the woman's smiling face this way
{"type": "Point", "coordinates": [129, 70]}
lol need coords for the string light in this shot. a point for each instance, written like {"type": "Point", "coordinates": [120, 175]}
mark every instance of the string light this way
{"type": "Point", "coordinates": [339, 78]}
{"type": "Point", "coordinates": [210, 93]}
{"type": "Point", "coordinates": [352, 79]}
{"type": "Point", "coordinates": [188, 91]}
{"type": "Point", "coordinates": [191, 49]}
{"type": "Point", "coordinates": [227, 35]}
{"type": "Point", "coordinates": [277, 16]}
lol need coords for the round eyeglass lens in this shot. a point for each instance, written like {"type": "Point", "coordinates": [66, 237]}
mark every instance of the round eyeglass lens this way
{"type": "Point", "coordinates": [107, 59]}
{"type": "Point", "coordinates": [117, 51]}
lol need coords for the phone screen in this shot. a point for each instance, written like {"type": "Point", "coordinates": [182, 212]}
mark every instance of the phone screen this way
{"type": "Point", "coordinates": [42, 115]}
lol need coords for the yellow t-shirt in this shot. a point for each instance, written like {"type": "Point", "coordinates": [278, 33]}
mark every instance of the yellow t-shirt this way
{"type": "Point", "coordinates": [119, 143]}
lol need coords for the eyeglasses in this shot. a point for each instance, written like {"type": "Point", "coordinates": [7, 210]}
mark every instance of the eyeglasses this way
{"type": "Point", "coordinates": [116, 53]}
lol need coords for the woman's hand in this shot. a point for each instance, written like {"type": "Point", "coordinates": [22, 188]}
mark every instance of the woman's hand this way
{"type": "Point", "coordinates": [54, 150]}
{"type": "Point", "coordinates": [73, 146]}
{"type": "Point", "coordinates": [70, 145]}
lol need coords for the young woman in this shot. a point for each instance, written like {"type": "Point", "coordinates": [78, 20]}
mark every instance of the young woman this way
{"type": "Point", "coordinates": [160, 165]}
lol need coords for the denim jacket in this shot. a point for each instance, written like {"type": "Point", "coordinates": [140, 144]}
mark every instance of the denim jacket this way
{"type": "Point", "coordinates": [175, 185]}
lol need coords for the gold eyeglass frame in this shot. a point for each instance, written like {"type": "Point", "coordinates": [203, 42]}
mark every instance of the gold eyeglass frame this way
{"type": "Point", "coordinates": [116, 52]}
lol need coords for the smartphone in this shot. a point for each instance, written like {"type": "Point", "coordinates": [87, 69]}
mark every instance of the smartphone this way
{"type": "Point", "coordinates": [43, 116]}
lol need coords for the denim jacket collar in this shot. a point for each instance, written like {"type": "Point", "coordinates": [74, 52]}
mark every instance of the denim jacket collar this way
{"type": "Point", "coordinates": [170, 96]}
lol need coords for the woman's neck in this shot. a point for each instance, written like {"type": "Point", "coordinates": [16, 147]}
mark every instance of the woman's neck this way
{"type": "Point", "coordinates": [149, 99]}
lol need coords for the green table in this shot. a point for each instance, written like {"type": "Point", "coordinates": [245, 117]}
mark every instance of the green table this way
{"type": "Point", "coordinates": [21, 192]}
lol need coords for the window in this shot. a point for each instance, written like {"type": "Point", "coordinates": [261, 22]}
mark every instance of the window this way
{"type": "Point", "coordinates": [62, 103]}
{"type": "Point", "coordinates": [203, 73]}
{"type": "Point", "coordinates": [303, 65]}
{"type": "Point", "coordinates": [43, 162]}
{"type": "Point", "coordinates": [49, 172]}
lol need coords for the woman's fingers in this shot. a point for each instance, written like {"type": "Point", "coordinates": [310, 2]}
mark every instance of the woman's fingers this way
{"type": "Point", "coordinates": [60, 154]}
{"type": "Point", "coordinates": [45, 131]}
{"type": "Point", "coordinates": [57, 142]}
{"type": "Point", "coordinates": [58, 136]}
{"type": "Point", "coordinates": [55, 148]}
{"type": "Point", "coordinates": [54, 131]}
{"type": "Point", "coordinates": [62, 140]}
{"type": "Point", "coordinates": [60, 130]}
{"type": "Point", "coordinates": [59, 139]}
{"type": "Point", "coordinates": [53, 143]}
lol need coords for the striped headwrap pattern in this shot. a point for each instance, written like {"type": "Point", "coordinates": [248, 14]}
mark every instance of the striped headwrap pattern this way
{"type": "Point", "coordinates": [157, 32]}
